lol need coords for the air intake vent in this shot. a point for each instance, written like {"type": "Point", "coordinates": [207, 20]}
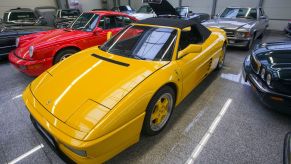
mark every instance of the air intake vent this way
{"type": "Point", "coordinates": [110, 60]}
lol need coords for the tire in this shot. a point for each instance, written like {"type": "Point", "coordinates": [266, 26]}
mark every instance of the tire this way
{"type": "Point", "coordinates": [63, 54]}
{"type": "Point", "coordinates": [159, 111]}
{"type": "Point", "coordinates": [221, 59]}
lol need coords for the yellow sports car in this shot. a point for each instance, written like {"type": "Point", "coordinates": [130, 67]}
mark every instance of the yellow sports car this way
{"type": "Point", "coordinates": [97, 103]}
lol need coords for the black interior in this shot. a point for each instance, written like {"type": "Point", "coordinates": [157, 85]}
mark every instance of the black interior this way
{"type": "Point", "coordinates": [190, 37]}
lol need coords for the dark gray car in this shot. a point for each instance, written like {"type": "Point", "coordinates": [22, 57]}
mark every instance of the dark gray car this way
{"type": "Point", "coordinates": [242, 25]}
{"type": "Point", "coordinates": [18, 22]}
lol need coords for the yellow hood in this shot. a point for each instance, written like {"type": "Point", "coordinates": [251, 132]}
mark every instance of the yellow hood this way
{"type": "Point", "coordinates": [90, 75]}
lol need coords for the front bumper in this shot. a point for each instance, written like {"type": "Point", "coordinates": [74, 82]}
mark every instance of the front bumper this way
{"type": "Point", "coordinates": [272, 99]}
{"type": "Point", "coordinates": [30, 67]}
{"type": "Point", "coordinates": [238, 42]}
{"type": "Point", "coordinates": [60, 134]}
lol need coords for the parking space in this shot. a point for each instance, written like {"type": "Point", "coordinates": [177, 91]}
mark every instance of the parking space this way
{"type": "Point", "coordinates": [221, 121]}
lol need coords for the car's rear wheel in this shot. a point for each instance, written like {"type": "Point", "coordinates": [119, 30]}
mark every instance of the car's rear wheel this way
{"type": "Point", "coordinates": [159, 111]}
{"type": "Point", "coordinates": [222, 58]}
{"type": "Point", "coordinates": [63, 54]}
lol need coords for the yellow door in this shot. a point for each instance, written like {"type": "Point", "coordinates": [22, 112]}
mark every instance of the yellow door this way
{"type": "Point", "coordinates": [194, 67]}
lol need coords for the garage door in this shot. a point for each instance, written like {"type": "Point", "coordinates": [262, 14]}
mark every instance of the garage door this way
{"type": "Point", "coordinates": [279, 12]}
{"type": "Point", "coordinates": [9, 4]}
{"type": "Point", "coordinates": [199, 6]}
{"type": "Point", "coordinates": [222, 4]}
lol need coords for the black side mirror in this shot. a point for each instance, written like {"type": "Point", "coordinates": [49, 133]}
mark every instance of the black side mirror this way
{"type": "Point", "coordinates": [287, 149]}
{"type": "Point", "coordinates": [190, 12]}
{"type": "Point", "coordinates": [263, 17]}
{"type": "Point", "coordinates": [41, 21]}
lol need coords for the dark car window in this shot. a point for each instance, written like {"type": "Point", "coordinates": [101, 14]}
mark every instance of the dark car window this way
{"type": "Point", "coordinates": [70, 13]}
{"type": "Point", "coordinates": [188, 37]}
{"type": "Point", "coordinates": [124, 8]}
{"type": "Point", "coordinates": [107, 22]}
{"type": "Point", "coordinates": [143, 42]}
{"type": "Point", "coordinates": [85, 22]}
{"type": "Point", "coordinates": [182, 11]}
{"type": "Point", "coordinates": [248, 13]}
{"type": "Point", "coordinates": [21, 16]}
{"type": "Point", "coordinates": [110, 22]}
{"type": "Point", "coordinates": [144, 9]}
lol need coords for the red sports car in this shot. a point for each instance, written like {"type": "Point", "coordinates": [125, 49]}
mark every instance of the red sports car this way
{"type": "Point", "coordinates": [36, 53]}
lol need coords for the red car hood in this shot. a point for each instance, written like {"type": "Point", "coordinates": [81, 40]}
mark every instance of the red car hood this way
{"type": "Point", "coordinates": [47, 41]}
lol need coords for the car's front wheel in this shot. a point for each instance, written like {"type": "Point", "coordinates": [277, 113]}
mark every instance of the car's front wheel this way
{"type": "Point", "coordinates": [62, 55]}
{"type": "Point", "coordinates": [159, 111]}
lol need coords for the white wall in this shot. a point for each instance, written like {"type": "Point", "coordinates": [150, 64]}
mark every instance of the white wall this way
{"type": "Point", "coordinates": [199, 6]}
{"type": "Point", "coordinates": [136, 4]}
{"type": "Point", "coordinates": [278, 9]}
{"type": "Point", "coordinates": [6, 5]}
{"type": "Point", "coordinates": [88, 5]}
{"type": "Point", "coordinates": [222, 4]}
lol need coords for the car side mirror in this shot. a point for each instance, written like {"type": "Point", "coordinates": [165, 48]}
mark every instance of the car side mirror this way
{"type": "Point", "coordinates": [190, 12]}
{"type": "Point", "coordinates": [192, 48]}
{"type": "Point", "coordinates": [109, 35]}
{"type": "Point", "coordinates": [97, 30]}
{"type": "Point", "coordinates": [263, 17]}
{"type": "Point", "coordinates": [41, 21]}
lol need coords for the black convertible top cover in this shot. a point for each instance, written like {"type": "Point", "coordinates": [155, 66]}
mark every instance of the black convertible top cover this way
{"type": "Point", "coordinates": [178, 23]}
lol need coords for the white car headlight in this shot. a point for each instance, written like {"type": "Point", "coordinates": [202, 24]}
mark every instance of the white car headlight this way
{"type": "Point", "coordinates": [17, 42]}
{"type": "Point", "coordinates": [242, 34]}
{"type": "Point", "coordinates": [269, 79]}
{"type": "Point", "coordinates": [31, 50]}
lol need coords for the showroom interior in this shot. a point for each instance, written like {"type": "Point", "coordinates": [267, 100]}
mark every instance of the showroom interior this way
{"type": "Point", "coordinates": [145, 81]}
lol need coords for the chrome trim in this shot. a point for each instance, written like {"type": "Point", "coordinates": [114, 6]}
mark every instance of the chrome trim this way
{"type": "Point", "coordinates": [259, 86]}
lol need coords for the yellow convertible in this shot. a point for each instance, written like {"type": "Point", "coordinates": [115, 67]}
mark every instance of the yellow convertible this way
{"type": "Point", "coordinates": [98, 102]}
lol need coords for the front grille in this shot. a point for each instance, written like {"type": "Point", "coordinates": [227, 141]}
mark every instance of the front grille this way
{"type": "Point", "coordinates": [229, 33]}
{"type": "Point", "coordinates": [255, 65]}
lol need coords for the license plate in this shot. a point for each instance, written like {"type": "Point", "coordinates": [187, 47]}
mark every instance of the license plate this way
{"type": "Point", "coordinates": [46, 135]}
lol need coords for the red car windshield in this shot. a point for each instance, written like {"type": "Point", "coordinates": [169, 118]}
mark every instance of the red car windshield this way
{"type": "Point", "coordinates": [143, 42]}
{"type": "Point", "coordinates": [85, 22]}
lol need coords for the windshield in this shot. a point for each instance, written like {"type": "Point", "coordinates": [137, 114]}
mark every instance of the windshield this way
{"type": "Point", "coordinates": [145, 9]}
{"type": "Point", "coordinates": [143, 42]}
{"type": "Point", "coordinates": [85, 22]}
{"type": "Point", "coordinates": [247, 13]}
{"type": "Point", "coordinates": [182, 11]}
{"type": "Point", "coordinates": [70, 13]}
{"type": "Point", "coordinates": [21, 16]}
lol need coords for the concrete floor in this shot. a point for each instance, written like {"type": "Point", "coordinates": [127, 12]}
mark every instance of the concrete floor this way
{"type": "Point", "coordinates": [247, 133]}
